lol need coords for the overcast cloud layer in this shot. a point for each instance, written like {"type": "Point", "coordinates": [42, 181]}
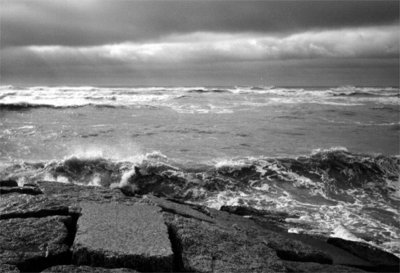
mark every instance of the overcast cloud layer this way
{"type": "Point", "coordinates": [199, 42]}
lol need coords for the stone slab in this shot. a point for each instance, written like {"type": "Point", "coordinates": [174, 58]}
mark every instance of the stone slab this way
{"type": "Point", "coordinates": [34, 242]}
{"type": "Point", "coordinates": [78, 193]}
{"type": "Point", "coordinates": [204, 247]}
{"type": "Point", "coordinates": [86, 269]}
{"type": "Point", "coordinates": [383, 261]}
{"type": "Point", "coordinates": [24, 206]}
{"type": "Point", "coordinates": [117, 235]}
{"type": "Point", "coordinates": [339, 256]}
{"type": "Point", "coordinates": [176, 208]}
{"type": "Point", "coordinates": [286, 248]}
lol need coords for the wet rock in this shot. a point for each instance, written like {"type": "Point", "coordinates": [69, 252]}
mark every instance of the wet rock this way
{"type": "Point", "coordinates": [203, 247]}
{"type": "Point", "coordinates": [116, 235]}
{"type": "Point", "coordinates": [25, 206]}
{"type": "Point", "coordinates": [293, 250]}
{"type": "Point", "coordinates": [176, 208]}
{"type": "Point", "coordinates": [8, 183]}
{"type": "Point", "coordinates": [157, 182]}
{"type": "Point", "coordinates": [287, 248]}
{"type": "Point", "coordinates": [85, 269]}
{"type": "Point", "coordinates": [34, 243]}
{"type": "Point", "coordinates": [242, 210]}
{"type": "Point", "coordinates": [274, 220]}
{"type": "Point", "coordinates": [229, 220]}
{"type": "Point", "coordinates": [382, 260]}
{"type": "Point", "coordinates": [76, 193]}
{"type": "Point", "coordinates": [122, 232]}
{"type": "Point", "coordinates": [339, 256]}
{"type": "Point", "coordinates": [319, 268]}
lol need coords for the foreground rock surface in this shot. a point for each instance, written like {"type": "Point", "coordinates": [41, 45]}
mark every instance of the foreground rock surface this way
{"type": "Point", "coordinates": [74, 194]}
{"type": "Point", "coordinates": [70, 228]}
{"type": "Point", "coordinates": [86, 269]}
{"type": "Point", "coordinates": [207, 248]}
{"type": "Point", "coordinates": [116, 235]}
{"type": "Point", "coordinates": [319, 268]}
{"type": "Point", "coordinates": [32, 243]}
{"type": "Point", "coordinates": [24, 206]}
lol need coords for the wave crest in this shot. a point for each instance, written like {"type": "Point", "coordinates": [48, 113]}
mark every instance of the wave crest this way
{"type": "Point", "coordinates": [331, 170]}
{"type": "Point", "coordinates": [17, 98]}
{"type": "Point", "coordinates": [328, 188]}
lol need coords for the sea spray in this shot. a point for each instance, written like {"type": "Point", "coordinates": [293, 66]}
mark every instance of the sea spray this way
{"type": "Point", "coordinates": [328, 189]}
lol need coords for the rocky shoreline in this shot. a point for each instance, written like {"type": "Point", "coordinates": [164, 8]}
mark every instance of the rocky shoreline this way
{"type": "Point", "coordinates": [55, 227]}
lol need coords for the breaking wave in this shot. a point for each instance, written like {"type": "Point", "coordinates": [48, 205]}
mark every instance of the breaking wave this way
{"type": "Point", "coordinates": [353, 91]}
{"type": "Point", "coordinates": [327, 172]}
{"type": "Point", "coordinates": [331, 190]}
{"type": "Point", "coordinates": [26, 106]}
{"type": "Point", "coordinates": [207, 90]}
{"type": "Point", "coordinates": [19, 98]}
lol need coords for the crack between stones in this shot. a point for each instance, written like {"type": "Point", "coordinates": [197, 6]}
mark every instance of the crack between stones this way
{"type": "Point", "coordinates": [176, 249]}
{"type": "Point", "coordinates": [213, 264]}
{"type": "Point", "coordinates": [72, 228]}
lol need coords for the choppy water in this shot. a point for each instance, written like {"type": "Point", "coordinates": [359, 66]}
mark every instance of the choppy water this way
{"type": "Point", "coordinates": [265, 147]}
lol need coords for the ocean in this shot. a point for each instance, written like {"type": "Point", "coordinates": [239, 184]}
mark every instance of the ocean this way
{"type": "Point", "coordinates": [329, 155]}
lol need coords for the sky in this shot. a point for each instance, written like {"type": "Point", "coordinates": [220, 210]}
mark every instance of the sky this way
{"type": "Point", "coordinates": [199, 43]}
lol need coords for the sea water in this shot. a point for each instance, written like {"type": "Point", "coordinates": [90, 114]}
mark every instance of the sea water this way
{"type": "Point", "coordinates": [329, 155]}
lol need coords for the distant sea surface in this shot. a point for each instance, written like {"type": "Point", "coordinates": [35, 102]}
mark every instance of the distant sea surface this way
{"type": "Point", "coordinates": [328, 154]}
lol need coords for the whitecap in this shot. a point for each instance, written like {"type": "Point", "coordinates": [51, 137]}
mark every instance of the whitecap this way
{"type": "Point", "coordinates": [341, 232]}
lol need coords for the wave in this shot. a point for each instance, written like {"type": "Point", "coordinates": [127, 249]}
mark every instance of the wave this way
{"type": "Point", "coordinates": [26, 106]}
{"type": "Point", "coordinates": [23, 106]}
{"type": "Point", "coordinates": [25, 101]}
{"type": "Point", "coordinates": [321, 92]}
{"type": "Point", "coordinates": [16, 98]}
{"type": "Point", "coordinates": [330, 189]}
{"type": "Point", "coordinates": [352, 91]}
{"type": "Point", "coordinates": [6, 87]}
{"type": "Point", "coordinates": [363, 124]}
{"type": "Point", "coordinates": [262, 87]}
{"type": "Point", "coordinates": [329, 174]}
{"type": "Point", "coordinates": [186, 108]}
{"type": "Point", "coordinates": [365, 94]}
{"type": "Point", "coordinates": [201, 91]}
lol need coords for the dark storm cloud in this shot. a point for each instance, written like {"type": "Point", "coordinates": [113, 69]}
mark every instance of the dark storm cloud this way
{"type": "Point", "coordinates": [83, 23]}
{"type": "Point", "coordinates": [199, 42]}
{"type": "Point", "coordinates": [201, 47]}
